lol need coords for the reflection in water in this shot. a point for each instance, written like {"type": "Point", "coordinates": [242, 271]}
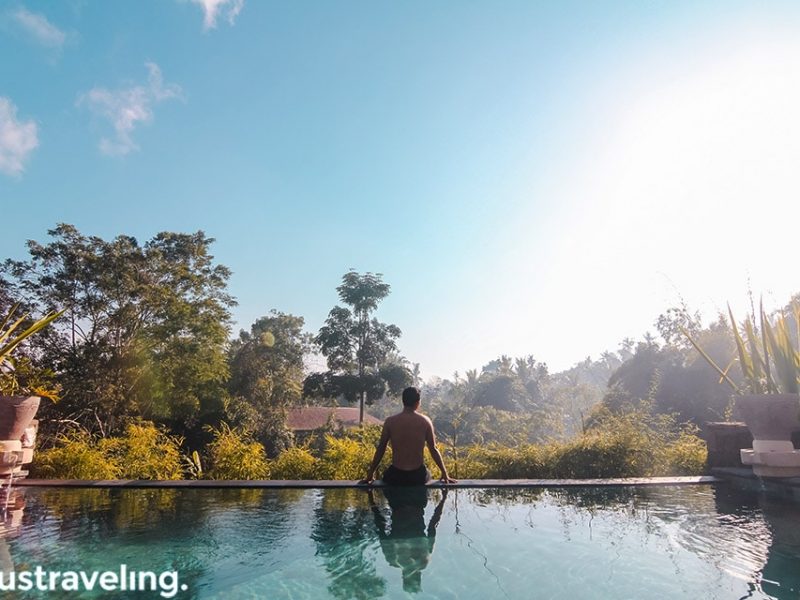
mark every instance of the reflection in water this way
{"type": "Point", "coordinates": [700, 542]}
{"type": "Point", "coordinates": [205, 535]}
{"type": "Point", "coordinates": [12, 507]}
{"type": "Point", "coordinates": [405, 541]}
{"type": "Point", "coordinates": [343, 535]}
{"type": "Point", "coordinates": [735, 541]}
{"type": "Point", "coordinates": [781, 574]}
{"type": "Point", "coordinates": [350, 526]}
{"type": "Point", "coordinates": [774, 528]}
{"type": "Point", "coordinates": [752, 537]}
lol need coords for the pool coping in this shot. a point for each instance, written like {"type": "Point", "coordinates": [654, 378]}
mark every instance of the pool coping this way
{"type": "Point", "coordinates": [310, 484]}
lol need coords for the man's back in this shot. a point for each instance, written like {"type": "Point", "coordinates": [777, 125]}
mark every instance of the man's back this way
{"type": "Point", "coordinates": [408, 432]}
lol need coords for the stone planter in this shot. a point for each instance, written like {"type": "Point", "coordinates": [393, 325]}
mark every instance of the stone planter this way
{"type": "Point", "coordinates": [772, 419]}
{"type": "Point", "coordinates": [16, 413]}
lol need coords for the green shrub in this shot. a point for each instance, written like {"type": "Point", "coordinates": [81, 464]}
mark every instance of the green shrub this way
{"type": "Point", "coordinates": [369, 435]}
{"type": "Point", "coordinates": [633, 444]}
{"type": "Point", "coordinates": [344, 458]}
{"type": "Point", "coordinates": [599, 455]}
{"type": "Point", "coordinates": [294, 463]}
{"type": "Point", "coordinates": [234, 455]}
{"type": "Point", "coordinates": [144, 452]}
{"type": "Point", "coordinates": [687, 455]}
{"type": "Point", "coordinates": [74, 456]}
{"type": "Point", "coordinates": [500, 462]}
{"type": "Point", "coordinates": [587, 456]}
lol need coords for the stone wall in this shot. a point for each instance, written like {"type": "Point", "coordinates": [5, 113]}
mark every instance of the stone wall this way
{"type": "Point", "coordinates": [724, 440]}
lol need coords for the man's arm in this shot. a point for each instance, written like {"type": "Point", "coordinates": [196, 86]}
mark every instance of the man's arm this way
{"type": "Point", "coordinates": [380, 519]}
{"type": "Point", "coordinates": [379, 452]}
{"type": "Point", "coordinates": [430, 439]}
{"type": "Point", "coordinates": [437, 515]}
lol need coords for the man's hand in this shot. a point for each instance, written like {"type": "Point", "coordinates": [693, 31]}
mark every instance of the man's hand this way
{"type": "Point", "coordinates": [447, 480]}
{"type": "Point", "coordinates": [367, 481]}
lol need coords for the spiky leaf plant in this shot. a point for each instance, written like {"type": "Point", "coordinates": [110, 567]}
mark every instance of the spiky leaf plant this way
{"type": "Point", "coordinates": [769, 357]}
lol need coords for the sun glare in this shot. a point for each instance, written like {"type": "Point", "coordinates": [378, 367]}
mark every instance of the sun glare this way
{"type": "Point", "coordinates": [691, 191]}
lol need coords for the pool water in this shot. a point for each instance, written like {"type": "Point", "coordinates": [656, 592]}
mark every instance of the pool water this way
{"type": "Point", "coordinates": [615, 543]}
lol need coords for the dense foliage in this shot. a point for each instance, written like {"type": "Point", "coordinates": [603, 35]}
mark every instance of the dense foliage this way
{"type": "Point", "coordinates": [141, 452]}
{"type": "Point", "coordinates": [266, 366]}
{"type": "Point", "coordinates": [145, 327]}
{"type": "Point", "coordinates": [232, 455]}
{"type": "Point", "coordinates": [152, 384]}
{"type": "Point", "coordinates": [631, 445]}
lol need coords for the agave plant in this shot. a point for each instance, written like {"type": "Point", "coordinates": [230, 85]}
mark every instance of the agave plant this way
{"type": "Point", "coordinates": [13, 332]}
{"type": "Point", "coordinates": [769, 358]}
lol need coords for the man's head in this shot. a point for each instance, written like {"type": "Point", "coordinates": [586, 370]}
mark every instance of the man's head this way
{"type": "Point", "coordinates": [411, 397]}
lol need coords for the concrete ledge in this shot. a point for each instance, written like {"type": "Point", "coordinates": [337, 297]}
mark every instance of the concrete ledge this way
{"type": "Point", "coordinates": [310, 484]}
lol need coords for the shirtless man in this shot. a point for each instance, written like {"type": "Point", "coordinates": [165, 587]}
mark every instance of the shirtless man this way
{"type": "Point", "coordinates": [409, 432]}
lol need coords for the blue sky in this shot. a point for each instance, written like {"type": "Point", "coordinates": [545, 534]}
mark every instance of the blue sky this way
{"type": "Point", "coordinates": [531, 178]}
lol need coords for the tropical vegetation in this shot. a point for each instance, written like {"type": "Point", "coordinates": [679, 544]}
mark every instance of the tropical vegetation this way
{"type": "Point", "coordinates": [768, 356]}
{"type": "Point", "coordinates": [154, 385]}
{"type": "Point", "coordinates": [17, 375]}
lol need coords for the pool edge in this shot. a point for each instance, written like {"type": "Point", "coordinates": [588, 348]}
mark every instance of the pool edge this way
{"type": "Point", "coordinates": [309, 484]}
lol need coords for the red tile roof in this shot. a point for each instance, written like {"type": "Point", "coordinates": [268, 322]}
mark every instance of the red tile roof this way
{"type": "Point", "coordinates": [316, 417]}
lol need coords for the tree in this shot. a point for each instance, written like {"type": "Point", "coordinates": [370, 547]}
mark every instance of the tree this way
{"type": "Point", "coordinates": [266, 367]}
{"type": "Point", "coordinates": [416, 378]}
{"type": "Point", "coordinates": [503, 391]}
{"type": "Point", "coordinates": [145, 329]}
{"type": "Point", "coordinates": [495, 407]}
{"type": "Point", "coordinates": [356, 345]}
{"type": "Point", "coordinates": [674, 379]}
{"type": "Point", "coordinates": [575, 391]}
{"type": "Point", "coordinates": [675, 321]}
{"type": "Point", "coordinates": [637, 379]}
{"type": "Point", "coordinates": [509, 384]}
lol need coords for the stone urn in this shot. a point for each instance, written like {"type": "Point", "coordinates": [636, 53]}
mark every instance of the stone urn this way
{"type": "Point", "coordinates": [771, 418]}
{"type": "Point", "coordinates": [16, 413]}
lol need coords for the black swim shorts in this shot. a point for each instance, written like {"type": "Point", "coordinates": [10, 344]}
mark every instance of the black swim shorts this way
{"type": "Point", "coordinates": [395, 476]}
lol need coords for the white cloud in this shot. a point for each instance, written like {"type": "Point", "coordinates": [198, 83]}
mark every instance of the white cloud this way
{"type": "Point", "coordinates": [38, 27]}
{"type": "Point", "coordinates": [213, 9]}
{"type": "Point", "coordinates": [126, 108]}
{"type": "Point", "coordinates": [17, 139]}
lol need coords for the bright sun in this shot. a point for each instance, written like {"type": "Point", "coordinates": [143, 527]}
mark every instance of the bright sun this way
{"type": "Point", "coordinates": [690, 190]}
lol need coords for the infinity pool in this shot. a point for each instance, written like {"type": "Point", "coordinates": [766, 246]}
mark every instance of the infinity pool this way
{"type": "Point", "coordinates": [615, 543]}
